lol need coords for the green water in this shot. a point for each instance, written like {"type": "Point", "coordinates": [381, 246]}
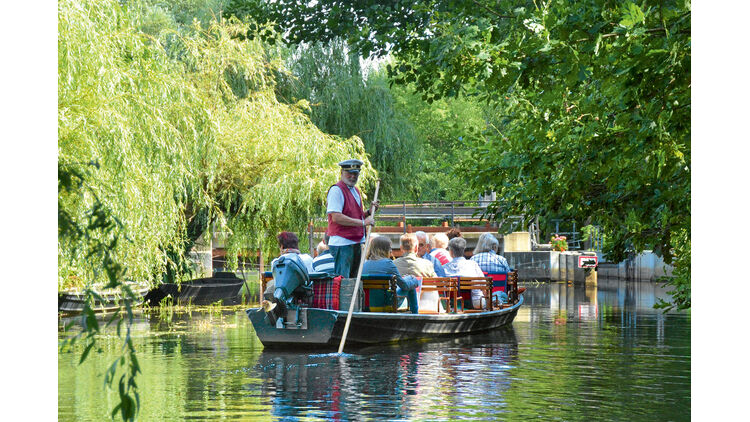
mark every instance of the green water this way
{"type": "Point", "coordinates": [573, 354]}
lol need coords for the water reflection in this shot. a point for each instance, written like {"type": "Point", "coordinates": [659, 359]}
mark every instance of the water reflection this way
{"type": "Point", "coordinates": [403, 381]}
{"type": "Point", "coordinates": [573, 353]}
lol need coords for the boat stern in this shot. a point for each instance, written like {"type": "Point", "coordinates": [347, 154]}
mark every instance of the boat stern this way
{"type": "Point", "coordinates": [301, 327]}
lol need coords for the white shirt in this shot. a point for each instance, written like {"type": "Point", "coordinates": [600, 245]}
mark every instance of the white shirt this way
{"type": "Point", "coordinates": [466, 268]}
{"type": "Point", "coordinates": [336, 204]}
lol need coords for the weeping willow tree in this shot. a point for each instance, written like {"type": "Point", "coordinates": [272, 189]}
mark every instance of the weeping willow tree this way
{"type": "Point", "coordinates": [347, 100]}
{"type": "Point", "coordinates": [158, 141]}
{"type": "Point", "coordinates": [173, 139]}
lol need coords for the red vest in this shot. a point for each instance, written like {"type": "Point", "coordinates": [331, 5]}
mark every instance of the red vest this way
{"type": "Point", "coordinates": [351, 209]}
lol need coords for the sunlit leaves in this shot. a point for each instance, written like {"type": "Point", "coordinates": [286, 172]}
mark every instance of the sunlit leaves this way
{"type": "Point", "coordinates": [346, 99]}
{"type": "Point", "coordinates": [631, 15]}
{"type": "Point", "coordinates": [187, 131]}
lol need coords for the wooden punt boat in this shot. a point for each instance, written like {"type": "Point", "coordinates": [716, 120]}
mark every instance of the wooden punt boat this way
{"type": "Point", "coordinates": [308, 327]}
{"type": "Point", "coordinates": [72, 302]}
{"type": "Point", "coordinates": [314, 327]}
{"type": "Point", "coordinates": [223, 286]}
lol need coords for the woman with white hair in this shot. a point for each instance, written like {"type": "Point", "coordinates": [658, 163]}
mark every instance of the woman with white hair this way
{"type": "Point", "coordinates": [485, 254]}
{"type": "Point", "coordinates": [439, 243]}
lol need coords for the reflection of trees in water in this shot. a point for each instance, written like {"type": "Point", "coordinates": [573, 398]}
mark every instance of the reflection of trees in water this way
{"type": "Point", "coordinates": [411, 380]}
{"type": "Point", "coordinates": [200, 351]}
{"type": "Point", "coordinates": [586, 302]}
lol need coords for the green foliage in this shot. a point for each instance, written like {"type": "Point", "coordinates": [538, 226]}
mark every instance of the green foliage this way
{"type": "Point", "coordinates": [443, 129]}
{"type": "Point", "coordinates": [126, 107]}
{"type": "Point", "coordinates": [588, 103]}
{"type": "Point", "coordinates": [346, 101]}
{"type": "Point", "coordinates": [414, 145]}
{"type": "Point", "coordinates": [681, 276]}
{"type": "Point", "coordinates": [98, 235]}
{"type": "Point", "coordinates": [178, 148]}
{"type": "Point", "coordinates": [163, 130]}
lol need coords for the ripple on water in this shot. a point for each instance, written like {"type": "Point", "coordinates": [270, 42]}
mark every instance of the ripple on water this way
{"type": "Point", "coordinates": [611, 362]}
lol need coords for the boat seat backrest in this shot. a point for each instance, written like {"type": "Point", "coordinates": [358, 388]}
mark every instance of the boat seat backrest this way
{"type": "Point", "coordinates": [384, 287]}
{"type": "Point", "coordinates": [499, 281]}
{"type": "Point", "coordinates": [447, 288]}
{"type": "Point", "coordinates": [467, 284]}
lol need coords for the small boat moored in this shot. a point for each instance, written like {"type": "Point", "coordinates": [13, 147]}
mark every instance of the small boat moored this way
{"type": "Point", "coordinates": [72, 302]}
{"type": "Point", "coordinates": [223, 286]}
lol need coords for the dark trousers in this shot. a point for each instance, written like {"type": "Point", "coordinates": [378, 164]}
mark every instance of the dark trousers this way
{"type": "Point", "coordinates": [346, 259]}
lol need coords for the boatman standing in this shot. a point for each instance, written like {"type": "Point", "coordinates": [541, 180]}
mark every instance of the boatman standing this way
{"type": "Point", "coordinates": [347, 220]}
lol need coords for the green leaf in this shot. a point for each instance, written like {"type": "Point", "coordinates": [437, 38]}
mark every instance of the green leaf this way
{"type": "Point", "coordinates": [86, 352]}
{"type": "Point", "coordinates": [631, 15]}
{"type": "Point", "coordinates": [116, 409]}
{"type": "Point", "coordinates": [90, 319]}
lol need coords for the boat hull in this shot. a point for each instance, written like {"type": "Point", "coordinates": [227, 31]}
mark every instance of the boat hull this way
{"type": "Point", "coordinates": [72, 303]}
{"type": "Point", "coordinates": [224, 288]}
{"type": "Point", "coordinates": [324, 327]}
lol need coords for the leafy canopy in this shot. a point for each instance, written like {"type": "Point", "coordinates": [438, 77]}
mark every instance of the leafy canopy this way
{"type": "Point", "coordinates": [588, 101]}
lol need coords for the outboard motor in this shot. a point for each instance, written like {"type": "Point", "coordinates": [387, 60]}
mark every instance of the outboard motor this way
{"type": "Point", "coordinates": [292, 282]}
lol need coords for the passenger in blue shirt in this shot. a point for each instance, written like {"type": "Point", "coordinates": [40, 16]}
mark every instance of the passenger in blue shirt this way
{"type": "Point", "coordinates": [485, 254]}
{"type": "Point", "coordinates": [424, 250]}
{"type": "Point", "coordinates": [379, 262]}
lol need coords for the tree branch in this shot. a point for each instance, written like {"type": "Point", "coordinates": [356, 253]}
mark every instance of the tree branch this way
{"type": "Point", "coordinates": [659, 31]}
{"type": "Point", "coordinates": [492, 11]}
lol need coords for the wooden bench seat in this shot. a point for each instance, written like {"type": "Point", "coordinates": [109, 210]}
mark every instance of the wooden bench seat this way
{"type": "Point", "coordinates": [382, 282]}
{"type": "Point", "coordinates": [447, 288]}
{"type": "Point", "coordinates": [467, 284]}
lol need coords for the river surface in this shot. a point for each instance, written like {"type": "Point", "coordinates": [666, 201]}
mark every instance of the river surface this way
{"type": "Point", "coordinates": [572, 354]}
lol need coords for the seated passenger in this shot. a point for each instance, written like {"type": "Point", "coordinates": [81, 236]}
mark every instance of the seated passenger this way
{"type": "Point", "coordinates": [379, 262]}
{"type": "Point", "coordinates": [289, 244]}
{"type": "Point", "coordinates": [439, 243]}
{"type": "Point", "coordinates": [463, 267]}
{"type": "Point", "coordinates": [424, 249]}
{"type": "Point", "coordinates": [453, 233]}
{"type": "Point", "coordinates": [485, 255]}
{"type": "Point", "coordinates": [411, 264]}
{"type": "Point", "coordinates": [324, 262]}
